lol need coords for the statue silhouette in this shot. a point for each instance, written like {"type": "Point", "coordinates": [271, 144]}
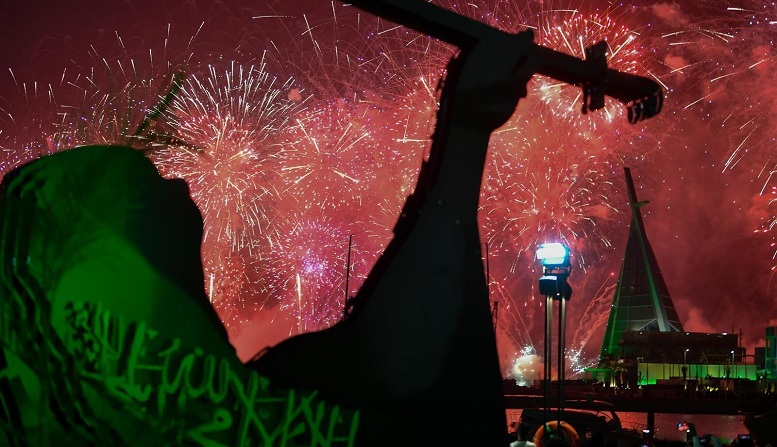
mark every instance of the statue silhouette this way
{"type": "Point", "coordinates": [108, 338]}
{"type": "Point", "coordinates": [417, 355]}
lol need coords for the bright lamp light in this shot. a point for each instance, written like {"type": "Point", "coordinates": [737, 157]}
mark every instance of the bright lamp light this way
{"type": "Point", "coordinates": [553, 254]}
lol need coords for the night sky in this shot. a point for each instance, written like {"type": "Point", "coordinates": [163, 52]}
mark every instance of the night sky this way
{"type": "Point", "coordinates": [324, 136]}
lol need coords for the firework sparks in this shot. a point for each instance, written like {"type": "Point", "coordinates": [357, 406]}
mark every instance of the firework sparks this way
{"type": "Point", "coordinates": [572, 32]}
{"type": "Point", "coordinates": [331, 156]}
{"type": "Point", "coordinates": [309, 262]}
{"type": "Point", "coordinates": [547, 185]}
{"type": "Point", "coordinates": [526, 367]}
{"type": "Point", "coordinates": [26, 127]}
{"type": "Point", "coordinates": [228, 127]}
{"type": "Point", "coordinates": [287, 156]}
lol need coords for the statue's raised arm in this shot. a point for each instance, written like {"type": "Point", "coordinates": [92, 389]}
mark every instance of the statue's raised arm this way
{"type": "Point", "coordinates": [642, 96]}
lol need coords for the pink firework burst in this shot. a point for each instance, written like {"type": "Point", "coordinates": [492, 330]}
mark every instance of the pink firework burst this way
{"type": "Point", "coordinates": [309, 265]}
{"type": "Point", "coordinates": [225, 135]}
{"type": "Point", "coordinates": [549, 184]}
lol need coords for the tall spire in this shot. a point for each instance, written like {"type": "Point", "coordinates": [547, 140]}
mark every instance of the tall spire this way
{"type": "Point", "coordinates": [641, 301]}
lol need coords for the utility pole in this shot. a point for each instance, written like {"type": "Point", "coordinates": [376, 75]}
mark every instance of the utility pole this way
{"type": "Point", "coordinates": [495, 306]}
{"type": "Point", "coordinates": [347, 276]}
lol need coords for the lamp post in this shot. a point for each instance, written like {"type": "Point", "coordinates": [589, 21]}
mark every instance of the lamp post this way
{"type": "Point", "coordinates": [347, 303]}
{"type": "Point", "coordinates": [685, 368]}
{"type": "Point", "coordinates": [733, 364]}
{"type": "Point", "coordinates": [553, 284]}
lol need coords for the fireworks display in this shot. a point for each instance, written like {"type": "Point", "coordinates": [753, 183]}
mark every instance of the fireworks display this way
{"type": "Point", "coordinates": [300, 131]}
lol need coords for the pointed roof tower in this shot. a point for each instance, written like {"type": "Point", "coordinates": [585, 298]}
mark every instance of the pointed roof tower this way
{"type": "Point", "coordinates": [641, 301]}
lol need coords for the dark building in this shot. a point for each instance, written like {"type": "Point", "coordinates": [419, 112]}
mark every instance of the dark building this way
{"type": "Point", "coordinates": [770, 354]}
{"type": "Point", "coordinates": [681, 347]}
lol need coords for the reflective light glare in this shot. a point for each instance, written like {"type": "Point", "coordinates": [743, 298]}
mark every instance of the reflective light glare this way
{"type": "Point", "coordinates": [553, 253]}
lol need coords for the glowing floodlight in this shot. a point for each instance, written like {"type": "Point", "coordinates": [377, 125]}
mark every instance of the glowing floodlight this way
{"type": "Point", "coordinates": [553, 255]}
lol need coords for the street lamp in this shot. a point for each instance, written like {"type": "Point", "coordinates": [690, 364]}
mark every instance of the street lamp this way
{"type": "Point", "coordinates": [556, 266]}
{"type": "Point", "coordinates": [685, 356]}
